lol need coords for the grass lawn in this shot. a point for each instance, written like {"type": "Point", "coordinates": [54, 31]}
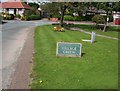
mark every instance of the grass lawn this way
{"type": "Point", "coordinates": [96, 69]}
{"type": "Point", "coordinates": [111, 30]}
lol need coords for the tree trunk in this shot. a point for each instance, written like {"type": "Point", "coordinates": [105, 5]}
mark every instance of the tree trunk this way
{"type": "Point", "coordinates": [63, 8]}
{"type": "Point", "coordinates": [105, 25]}
{"type": "Point", "coordinates": [61, 18]}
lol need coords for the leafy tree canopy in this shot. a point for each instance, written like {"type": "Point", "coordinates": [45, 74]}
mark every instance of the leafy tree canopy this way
{"type": "Point", "coordinates": [34, 5]}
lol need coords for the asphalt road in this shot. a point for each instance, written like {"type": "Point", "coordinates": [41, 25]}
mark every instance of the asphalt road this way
{"type": "Point", "coordinates": [14, 34]}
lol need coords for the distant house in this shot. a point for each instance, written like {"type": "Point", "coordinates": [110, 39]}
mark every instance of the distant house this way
{"type": "Point", "coordinates": [14, 7]}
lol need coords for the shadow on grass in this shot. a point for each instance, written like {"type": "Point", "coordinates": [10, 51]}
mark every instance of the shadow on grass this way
{"type": "Point", "coordinates": [95, 42]}
{"type": "Point", "coordinates": [82, 54]}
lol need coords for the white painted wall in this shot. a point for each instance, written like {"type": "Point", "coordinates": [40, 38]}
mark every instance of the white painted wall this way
{"type": "Point", "coordinates": [11, 11]}
{"type": "Point", "coordinates": [20, 11]}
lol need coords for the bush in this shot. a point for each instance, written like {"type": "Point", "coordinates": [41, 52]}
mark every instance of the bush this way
{"type": "Point", "coordinates": [56, 16]}
{"type": "Point", "coordinates": [9, 17]}
{"type": "Point", "coordinates": [68, 18]}
{"type": "Point", "coordinates": [78, 18]}
{"type": "Point", "coordinates": [23, 17]}
{"type": "Point", "coordinates": [98, 19]}
{"type": "Point", "coordinates": [110, 18]}
{"type": "Point", "coordinates": [18, 15]}
{"type": "Point", "coordinates": [87, 17]}
{"type": "Point", "coordinates": [30, 12]}
{"type": "Point", "coordinates": [33, 17]}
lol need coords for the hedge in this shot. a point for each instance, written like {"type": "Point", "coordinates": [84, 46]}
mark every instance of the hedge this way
{"type": "Point", "coordinates": [78, 18]}
{"type": "Point", "coordinates": [68, 18]}
{"type": "Point", "coordinates": [33, 17]}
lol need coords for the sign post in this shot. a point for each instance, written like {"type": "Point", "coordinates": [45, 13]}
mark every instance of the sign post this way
{"type": "Point", "coordinates": [68, 49]}
{"type": "Point", "coordinates": [92, 37]}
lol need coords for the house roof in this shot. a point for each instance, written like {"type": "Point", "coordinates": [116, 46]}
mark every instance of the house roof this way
{"type": "Point", "coordinates": [14, 5]}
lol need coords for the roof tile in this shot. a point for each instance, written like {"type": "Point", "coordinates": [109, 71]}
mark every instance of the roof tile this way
{"type": "Point", "coordinates": [14, 5]}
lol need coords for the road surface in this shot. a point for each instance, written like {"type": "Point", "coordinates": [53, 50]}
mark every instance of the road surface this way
{"type": "Point", "coordinates": [14, 35]}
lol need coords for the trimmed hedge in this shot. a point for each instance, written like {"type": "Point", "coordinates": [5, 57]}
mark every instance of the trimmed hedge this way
{"type": "Point", "coordinates": [33, 17]}
{"type": "Point", "coordinates": [68, 18]}
{"type": "Point", "coordinates": [78, 18]}
{"type": "Point", "coordinates": [88, 18]}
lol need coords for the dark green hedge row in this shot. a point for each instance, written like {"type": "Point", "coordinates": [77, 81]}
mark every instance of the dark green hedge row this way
{"type": "Point", "coordinates": [33, 17]}
{"type": "Point", "coordinates": [84, 18]}
{"type": "Point", "coordinates": [78, 18]}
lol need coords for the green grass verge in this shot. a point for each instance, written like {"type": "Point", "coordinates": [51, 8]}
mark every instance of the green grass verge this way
{"type": "Point", "coordinates": [111, 30]}
{"type": "Point", "coordinates": [96, 69]}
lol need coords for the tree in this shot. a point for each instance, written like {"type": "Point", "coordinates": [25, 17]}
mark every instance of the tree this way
{"type": "Point", "coordinates": [79, 7]}
{"type": "Point", "coordinates": [98, 19]}
{"type": "Point", "coordinates": [108, 7]}
{"type": "Point", "coordinates": [52, 9]}
{"type": "Point", "coordinates": [34, 5]}
{"type": "Point", "coordinates": [116, 6]}
{"type": "Point", "coordinates": [55, 9]}
{"type": "Point", "coordinates": [63, 7]}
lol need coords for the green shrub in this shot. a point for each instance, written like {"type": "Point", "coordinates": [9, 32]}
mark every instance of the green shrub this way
{"type": "Point", "coordinates": [33, 17]}
{"type": "Point", "coordinates": [78, 18]}
{"type": "Point", "coordinates": [72, 18]}
{"type": "Point", "coordinates": [68, 18]}
{"type": "Point", "coordinates": [23, 17]}
{"type": "Point", "coordinates": [30, 12]}
{"type": "Point", "coordinates": [18, 15]}
{"type": "Point", "coordinates": [56, 16]}
{"type": "Point", "coordinates": [9, 17]}
{"type": "Point", "coordinates": [86, 18]}
{"type": "Point", "coordinates": [110, 18]}
{"type": "Point", "coordinates": [98, 19]}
